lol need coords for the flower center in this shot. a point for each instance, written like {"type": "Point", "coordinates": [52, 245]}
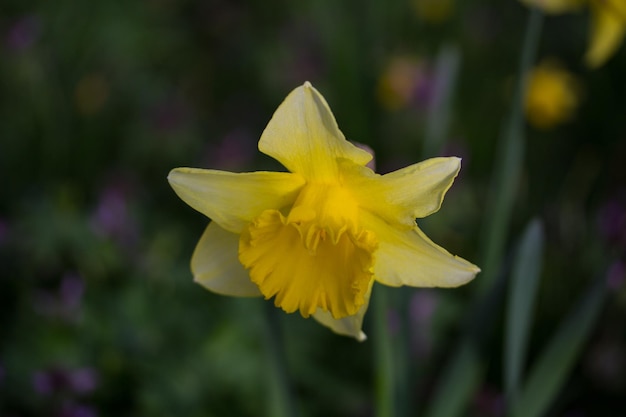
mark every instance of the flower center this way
{"type": "Point", "coordinates": [316, 256]}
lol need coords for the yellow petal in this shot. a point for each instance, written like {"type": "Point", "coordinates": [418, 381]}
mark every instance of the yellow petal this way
{"type": "Point", "coordinates": [304, 268]}
{"type": "Point", "coordinates": [608, 27]}
{"type": "Point", "coordinates": [408, 257]}
{"type": "Point", "coordinates": [552, 95]}
{"type": "Point", "coordinates": [347, 326]}
{"type": "Point", "coordinates": [304, 137]}
{"type": "Point", "coordinates": [406, 194]}
{"type": "Point", "coordinates": [233, 200]}
{"type": "Point", "coordinates": [215, 264]}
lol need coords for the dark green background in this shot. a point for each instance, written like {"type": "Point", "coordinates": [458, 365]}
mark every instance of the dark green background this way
{"type": "Point", "coordinates": [95, 246]}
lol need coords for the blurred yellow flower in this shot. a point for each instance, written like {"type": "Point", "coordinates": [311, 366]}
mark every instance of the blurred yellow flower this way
{"type": "Point", "coordinates": [433, 11]}
{"type": "Point", "coordinates": [608, 27]}
{"type": "Point", "coordinates": [552, 95]}
{"type": "Point", "coordinates": [398, 82]}
{"type": "Point", "coordinates": [608, 24]}
{"type": "Point", "coordinates": [317, 237]}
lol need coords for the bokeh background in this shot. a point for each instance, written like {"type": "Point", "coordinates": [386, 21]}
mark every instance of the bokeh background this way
{"type": "Point", "coordinates": [99, 100]}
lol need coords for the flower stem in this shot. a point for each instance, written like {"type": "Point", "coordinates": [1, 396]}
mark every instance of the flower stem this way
{"type": "Point", "coordinates": [385, 386]}
{"type": "Point", "coordinates": [280, 401]}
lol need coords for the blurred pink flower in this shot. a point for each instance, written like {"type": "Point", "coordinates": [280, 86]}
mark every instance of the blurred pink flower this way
{"type": "Point", "coordinates": [234, 151]}
{"type": "Point", "coordinates": [112, 218]}
{"type": "Point", "coordinates": [77, 410]}
{"type": "Point", "coordinates": [616, 275]}
{"type": "Point", "coordinates": [55, 380]}
{"type": "Point", "coordinates": [422, 306]}
{"type": "Point", "coordinates": [612, 222]}
{"type": "Point", "coordinates": [23, 33]}
{"type": "Point", "coordinates": [65, 302]}
{"type": "Point", "coordinates": [394, 321]}
{"type": "Point", "coordinates": [489, 403]}
{"type": "Point", "coordinates": [168, 114]}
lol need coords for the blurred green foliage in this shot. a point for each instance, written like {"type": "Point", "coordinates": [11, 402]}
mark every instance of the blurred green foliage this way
{"type": "Point", "coordinates": [99, 100]}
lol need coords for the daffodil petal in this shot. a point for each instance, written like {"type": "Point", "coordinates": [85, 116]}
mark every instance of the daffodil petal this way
{"type": "Point", "coordinates": [233, 200]}
{"type": "Point", "coordinates": [406, 194]}
{"type": "Point", "coordinates": [215, 264]}
{"type": "Point", "coordinates": [409, 257]}
{"type": "Point", "coordinates": [303, 136]}
{"type": "Point", "coordinates": [347, 326]}
{"type": "Point", "coordinates": [608, 27]}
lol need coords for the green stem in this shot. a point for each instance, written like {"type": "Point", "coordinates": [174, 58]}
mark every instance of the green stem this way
{"type": "Point", "coordinates": [280, 402]}
{"type": "Point", "coordinates": [385, 387]}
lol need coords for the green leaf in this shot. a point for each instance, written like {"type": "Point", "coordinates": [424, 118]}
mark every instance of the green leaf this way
{"type": "Point", "coordinates": [510, 156]}
{"type": "Point", "coordinates": [555, 363]}
{"type": "Point", "coordinates": [522, 292]}
{"type": "Point", "coordinates": [463, 375]}
{"type": "Point", "coordinates": [458, 383]}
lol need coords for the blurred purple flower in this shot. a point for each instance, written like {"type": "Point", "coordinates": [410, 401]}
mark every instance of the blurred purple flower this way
{"type": "Point", "coordinates": [111, 218]}
{"type": "Point", "coordinates": [422, 306]}
{"type": "Point", "coordinates": [77, 410]}
{"type": "Point", "coordinates": [425, 88]}
{"type": "Point", "coordinates": [64, 303]}
{"type": "Point", "coordinates": [612, 222]}
{"type": "Point", "coordinates": [393, 321]}
{"type": "Point", "coordinates": [49, 381]}
{"type": "Point", "coordinates": [23, 33]}
{"type": "Point", "coordinates": [71, 291]}
{"type": "Point", "coordinates": [489, 403]}
{"type": "Point", "coordinates": [168, 114]}
{"type": "Point", "coordinates": [83, 380]}
{"type": "Point", "coordinates": [616, 275]}
{"type": "Point", "coordinates": [55, 380]}
{"type": "Point", "coordinates": [234, 151]}
{"type": "Point", "coordinates": [407, 80]}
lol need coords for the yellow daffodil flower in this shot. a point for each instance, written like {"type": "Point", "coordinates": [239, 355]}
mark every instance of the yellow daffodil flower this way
{"type": "Point", "coordinates": [608, 24]}
{"type": "Point", "coordinates": [317, 237]}
{"type": "Point", "coordinates": [608, 27]}
{"type": "Point", "coordinates": [433, 11]}
{"type": "Point", "coordinates": [552, 95]}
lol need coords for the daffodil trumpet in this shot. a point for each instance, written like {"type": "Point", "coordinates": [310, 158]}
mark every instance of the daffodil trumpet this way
{"type": "Point", "coordinates": [317, 237]}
